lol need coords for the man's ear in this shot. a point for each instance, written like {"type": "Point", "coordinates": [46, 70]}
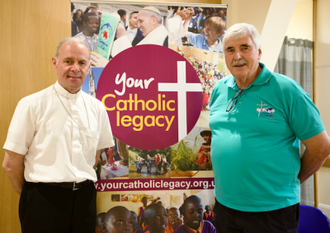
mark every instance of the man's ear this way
{"type": "Point", "coordinates": [259, 54]}
{"type": "Point", "coordinates": [154, 20]}
{"type": "Point", "coordinates": [54, 60]}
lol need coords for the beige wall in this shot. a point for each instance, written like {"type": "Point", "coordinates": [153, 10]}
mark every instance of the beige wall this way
{"type": "Point", "coordinates": [30, 32]}
{"type": "Point", "coordinates": [301, 23]}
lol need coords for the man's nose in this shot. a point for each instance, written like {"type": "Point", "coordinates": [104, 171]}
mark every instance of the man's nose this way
{"type": "Point", "coordinates": [237, 55]}
{"type": "Point", "coordinates": [75, 67]}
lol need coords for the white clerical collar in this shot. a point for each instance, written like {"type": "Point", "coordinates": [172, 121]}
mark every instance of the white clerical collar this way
{"type": "Point", "coordinates": [133, 30]}
{"type": "Point", "coordinates": [59, 89]}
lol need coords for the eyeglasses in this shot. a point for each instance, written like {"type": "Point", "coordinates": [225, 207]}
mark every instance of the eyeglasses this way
{"type": "Point", "coordinates": [234, 100]}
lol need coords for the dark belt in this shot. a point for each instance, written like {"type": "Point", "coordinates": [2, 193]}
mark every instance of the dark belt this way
{"type": "Point", "coordinates": [71, 185]}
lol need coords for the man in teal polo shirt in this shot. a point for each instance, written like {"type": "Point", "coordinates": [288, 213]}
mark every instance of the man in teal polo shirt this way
{"type": "Point", "coordinates": [257, 120]}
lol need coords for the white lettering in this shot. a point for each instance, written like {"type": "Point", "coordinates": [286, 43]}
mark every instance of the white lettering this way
{"type": "Point", "coordinates": [130, 82]}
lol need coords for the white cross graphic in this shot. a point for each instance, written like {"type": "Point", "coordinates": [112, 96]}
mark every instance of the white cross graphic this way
{"type": "Point", "coordinates": [181, 87]}
{"type": "Point", "coordinates": [261, 105]}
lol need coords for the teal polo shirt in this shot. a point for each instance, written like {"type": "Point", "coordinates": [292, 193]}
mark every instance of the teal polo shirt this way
{"type": "Point", "coordinates": [255, 146]}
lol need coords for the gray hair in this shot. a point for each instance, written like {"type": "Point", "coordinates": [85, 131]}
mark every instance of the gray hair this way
{"type": "Point", "coordinates": [73, 40]}
{"type": "Point", "coordinates": [150, 14]}
{"type": "Point", "coordinates": [240, 30]}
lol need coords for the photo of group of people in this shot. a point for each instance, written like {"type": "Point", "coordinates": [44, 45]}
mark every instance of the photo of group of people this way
{"type": "Point", "coordinates": [209, 66]}
{"type": "Point", "coordinates": [174, 211]}
{"type": "Point", "coordinates": [200, 27]}
{"type": "Point", "coordinates": [113, 162]}
{"type": "Point", "coordinates": [150, 163]}
{"type": "Point", "coordinates": [190, 154]}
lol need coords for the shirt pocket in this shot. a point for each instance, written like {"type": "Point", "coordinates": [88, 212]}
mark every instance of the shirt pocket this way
{"type": "Point", "coordinates": [90, 141]}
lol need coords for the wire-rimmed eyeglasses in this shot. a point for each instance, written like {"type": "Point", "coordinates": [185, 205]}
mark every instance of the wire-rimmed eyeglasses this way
{"type": "Point", "coordinates": [234, 100]}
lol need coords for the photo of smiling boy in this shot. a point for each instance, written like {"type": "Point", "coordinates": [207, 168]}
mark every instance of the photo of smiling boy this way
{"type": "Point", "coordinates": [156, 218]}
{"type": "Point", "coordinates": [192, 211]}
{"type": "Point", "coordinates": [118, 220]}
{"type": "Point", "coordinates": [174, 220]}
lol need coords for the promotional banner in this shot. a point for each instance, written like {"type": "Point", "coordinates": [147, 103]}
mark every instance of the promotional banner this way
{"type": "Point", "coordinates": [156, 86]}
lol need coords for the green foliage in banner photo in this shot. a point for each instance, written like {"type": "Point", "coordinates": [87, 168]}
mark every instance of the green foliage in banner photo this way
{"type": "Point", "coordinates": [183, 156]}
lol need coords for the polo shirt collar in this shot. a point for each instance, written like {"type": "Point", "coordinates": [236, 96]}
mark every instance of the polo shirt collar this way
{"type": "Point", "coordinates": [262, 78]}
{"type": "Point", "coordinates": [60, 90]}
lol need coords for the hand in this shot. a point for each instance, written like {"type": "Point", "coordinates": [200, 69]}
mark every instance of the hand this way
{"type": "Point", "coordinates": [97, 60]}
{"type": "Point", "coordinates": [120, 31]}
{"type": "Point", "coordinates": [186, 14]}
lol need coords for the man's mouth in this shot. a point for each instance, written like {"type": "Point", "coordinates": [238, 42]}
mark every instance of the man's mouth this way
{"type": "Point", "coordinates": [239, 63]}
{"type": "Point", "coordinates": [74, 77]}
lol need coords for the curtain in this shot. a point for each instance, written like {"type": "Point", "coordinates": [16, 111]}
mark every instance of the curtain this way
{"type": "Point", "coordinates": [296, 61]}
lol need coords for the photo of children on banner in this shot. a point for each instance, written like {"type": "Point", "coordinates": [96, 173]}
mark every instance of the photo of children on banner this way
{"type": "Point", "coordinates": [192, 211]}
{"type": "Point", "coordinates": [155, 218]}
{"type": "Point", "coordinates": [113, 162]}
{"type": "Point", "coordinates": [205, 28]}
{"type": "Point", "coordinates": [203, 158]}
{"type": "Point", "coordinates": [143, 226]}
{"type": "Point", "coordinates": [149, 163]}
{"type": "Point", "coordinates": [208, 214]}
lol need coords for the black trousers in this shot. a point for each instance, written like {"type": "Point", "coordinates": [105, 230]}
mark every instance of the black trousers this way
{"type": "Point", "coordinates": [49, 209]}
{"type": "Point", "coordinates": [227, 220]}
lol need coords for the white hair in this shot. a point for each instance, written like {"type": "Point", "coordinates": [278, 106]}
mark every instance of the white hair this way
{"type": "Point", "coordinates": [240, 30]}
{"type": "Point", "coordinates": [151, 13]}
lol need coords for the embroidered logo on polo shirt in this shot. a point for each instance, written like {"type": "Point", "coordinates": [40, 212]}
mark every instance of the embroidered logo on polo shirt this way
{"type": "Point", "coordinates": [264, 111]}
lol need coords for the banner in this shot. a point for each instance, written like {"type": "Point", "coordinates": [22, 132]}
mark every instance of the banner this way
{"type": "Point", "coordinates": [156, 88]}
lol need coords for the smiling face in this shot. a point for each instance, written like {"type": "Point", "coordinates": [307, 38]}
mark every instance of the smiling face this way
{"type": "Point", "coordinates": [193, 213]}
{"type": "Point", "coordinates": [242, 58]}
{"type": "Point", "coordinates": [72, 66]}
{"type": "Point", "coordinates": [211, 34]}
{"type": "Point", "coordinates": [145, 23]}
{"type": "Point", "coordinates": [120, 221]}
{"type": "Point", "coordinates": [91, 26]}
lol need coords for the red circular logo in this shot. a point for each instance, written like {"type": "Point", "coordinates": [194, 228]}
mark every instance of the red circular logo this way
{"type": "Point", "coordinates": [153, 96]}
